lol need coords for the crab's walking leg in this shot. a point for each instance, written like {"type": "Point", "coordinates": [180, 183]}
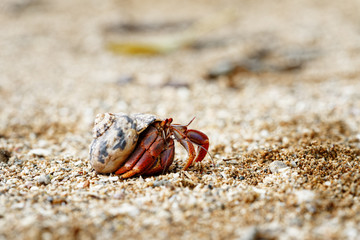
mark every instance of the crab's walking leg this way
{"type": "Point", "coordinates": [179, 135]}
{"type": "Point", "coordinates": [145, 154]}
{"type": "Point", "coordinates": [164, 161]}
{"type": "Point", "coordinates": [200, 139]}
{"type": "Point", "coordinates": [148, 159]}
{"type": "Point", "coordinates": [147, 139]}
{"type": "Point", "coordinates": [191, 151]}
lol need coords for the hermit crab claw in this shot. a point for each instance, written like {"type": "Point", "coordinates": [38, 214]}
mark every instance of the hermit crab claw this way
{"type": "Point", "coordinates": [188, 137]}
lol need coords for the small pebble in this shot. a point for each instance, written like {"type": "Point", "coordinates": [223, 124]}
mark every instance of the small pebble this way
{"type": "Point", "coordinates": [158, 183]}
{"type": "Point", "coordinates": [293, 164]}
{"type": "Point", "coordinates": [34, 188]}
{"type": "Point", "coordinates": [39, 152]}
{"type": "Point", "coordinates": [44, 179]}
{"type": "Point", "coordinates": [124, 79]}
{"type": "Point", "coordinates": [56, 200]}
{"type": "Point", "coordinates": [277, 166]}
{"type": "Point", "coordinates": [4, 156]}
{"type": "Point", "coordinates": [119, 195]}
{"type": "Point", "coordinates": [305, 196]}
{"type": "Point", "coordinates": [78, 163]}
{"type": "Point", "coordinates": [86, 184]}
{"type": "Point", "coordinates": [250, 234]}
{"type": "Point", "coordinates": [114, 178]}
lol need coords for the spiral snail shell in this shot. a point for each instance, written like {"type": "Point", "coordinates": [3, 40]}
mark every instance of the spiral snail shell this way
{"type": "Point", "coordinates": [115, 137]}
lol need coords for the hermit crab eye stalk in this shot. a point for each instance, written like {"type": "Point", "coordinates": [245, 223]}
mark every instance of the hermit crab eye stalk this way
{"type": "Point", "coordinates": [166, 122]}
{"type": "Point", "coordinates": [142, 144]}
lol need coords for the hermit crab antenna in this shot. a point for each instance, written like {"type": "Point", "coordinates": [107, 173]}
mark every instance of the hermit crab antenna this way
{"type": "Point", "coordinates": [180, 125]}
{"type": "Point", "coordinates": [191, 121]}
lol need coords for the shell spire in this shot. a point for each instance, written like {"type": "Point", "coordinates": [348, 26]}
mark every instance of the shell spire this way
{"type": "Point", "coordinates": [103, 121]}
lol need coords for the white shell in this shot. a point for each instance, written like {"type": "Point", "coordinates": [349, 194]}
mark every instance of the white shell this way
{"type": "Point", "coordinates": [115, 137]}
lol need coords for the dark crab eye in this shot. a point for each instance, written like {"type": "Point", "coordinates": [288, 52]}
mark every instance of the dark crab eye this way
{"type": "Point", "coordinates": [166, 123]}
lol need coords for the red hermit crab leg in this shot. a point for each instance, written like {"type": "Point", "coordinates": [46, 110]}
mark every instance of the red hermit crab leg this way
{"type": "Point", "coordinates": [145, 144]}
{"type": "Point", "coordinates": [148, 159]}
{"type": "Point", "coordinates": [200, 139]}
{"type": "Point", "coordinates": [141, 160]}
{"type": "Point", "coordinates": [188, 137]}
{"type": "Point", "coordinates": [182, 138]}
{"type": "Point", "coordinates": [191, 151]}
{"type": "Point", "coordinates": [164, 161]}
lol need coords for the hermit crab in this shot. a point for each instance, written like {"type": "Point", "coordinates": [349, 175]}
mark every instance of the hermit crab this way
{"type": "Point", "coordinates": [141, 144]}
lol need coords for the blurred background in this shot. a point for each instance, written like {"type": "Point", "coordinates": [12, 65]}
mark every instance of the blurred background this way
{"type": "Point", "coordinates": [68, 60]}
